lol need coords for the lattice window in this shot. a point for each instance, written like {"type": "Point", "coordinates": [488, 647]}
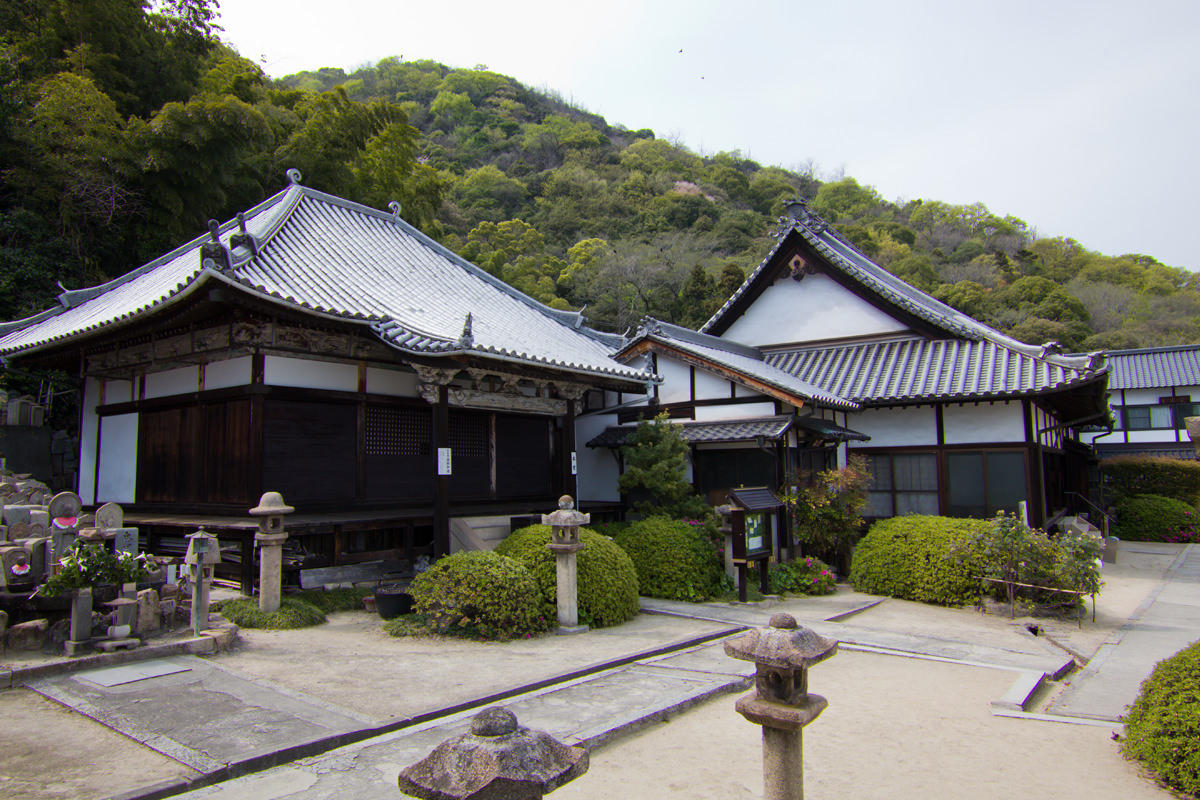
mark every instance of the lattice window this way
{"type": "Point", "coordinates": [469, 435]}
{"type": "Point", "coordinates": [397, 431]}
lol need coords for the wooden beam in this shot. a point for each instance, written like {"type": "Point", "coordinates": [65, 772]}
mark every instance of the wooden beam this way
{"type": "Point", "coordinates": [441, 489]}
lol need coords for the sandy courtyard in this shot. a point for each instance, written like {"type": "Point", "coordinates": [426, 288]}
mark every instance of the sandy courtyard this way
{"type": "Point", "coordinates": [895, 728]}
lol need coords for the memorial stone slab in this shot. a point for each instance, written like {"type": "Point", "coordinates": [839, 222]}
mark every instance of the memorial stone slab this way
{"type": "Point", "coordinates": [125, 540]}
{"type": "Point", "coordinates": [148, 612]}
{"type": "Point", "coordinates": [109, 515]}
{"type": "Point", "coordinates": [14, 513]}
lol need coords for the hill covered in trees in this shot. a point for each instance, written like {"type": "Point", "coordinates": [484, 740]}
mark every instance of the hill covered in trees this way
{"type": "Point", "coordinates": [122, 130]}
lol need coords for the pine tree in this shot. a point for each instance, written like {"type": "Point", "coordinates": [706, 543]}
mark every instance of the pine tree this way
{"type": "Point", "coordinates": [656, 472]}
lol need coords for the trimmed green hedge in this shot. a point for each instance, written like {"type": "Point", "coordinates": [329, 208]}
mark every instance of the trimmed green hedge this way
{"type": "Point", "coordinates": [920, 558]}
{"type": "Point", "coordinates": [1154, 518]}
{"type": "Point", "coordinates": [1162, 729]}
{"type": "Point", "coordinates": [1127, 476]}
{"type": "Point", "coordinates": [608, 582]}
{"type": "Point", "coordinates": [292, 613]}
{"type": "Point", "coordinates": [674, 559]}
{"type": "Point", "coordinates": [479, 594]}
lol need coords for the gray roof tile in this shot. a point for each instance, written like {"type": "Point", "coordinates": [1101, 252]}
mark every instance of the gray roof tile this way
{"type": "Point", "coordinates": [342, 259]}
{"type": "Point", "coordinates": [1154, 367]}
{"type": "Point", "coordinates": [737, 430]}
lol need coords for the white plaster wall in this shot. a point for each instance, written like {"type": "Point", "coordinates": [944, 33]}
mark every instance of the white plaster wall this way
{"type": "Point", "coordinates": [118, 459]}
{"type": "Point", "coordinates": [172, 381]}
{"type": "Point", "coordinates": [737, 411]}
{"type": "Point", "coordinates": [391, 382]}
{"type": "Point", "coordinates": [1137, 397]}
{"type": "Point", "coordinates": [118, 391]}
{"type": "Point", "coordinates": [598, 472]}
{"type": "Point", "coordinates": [999, 422]}
{"type": "Point", "coordinates": [280, 371]}
{"type": "Point", "coordinates": [815, 308]}
{"type": "Point", "coordinates": [896, 427]}
{"type": "Point", "coordinates": [230, 372]}
{"type": "Point", "coordinates": [710, 386]}
{"type": "Point", "coordinates": [88, 428]}
{"type": "Point", "coordinates": [1160, 435]}
{"type": "Point", "coordinates": [676, 386]}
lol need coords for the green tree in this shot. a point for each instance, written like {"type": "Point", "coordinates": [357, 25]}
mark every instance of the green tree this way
{"type": "Point", "coordinates": [655, 476]}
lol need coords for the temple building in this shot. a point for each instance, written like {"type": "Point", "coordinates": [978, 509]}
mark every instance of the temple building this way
{"type": "Point", "coordinates": [822, 353]}
{"type": "Point", "coordinates": [403, 399]}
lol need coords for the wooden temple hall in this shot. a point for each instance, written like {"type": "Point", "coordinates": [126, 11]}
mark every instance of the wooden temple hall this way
{"type": "Point", "coordinates": [405, 401]}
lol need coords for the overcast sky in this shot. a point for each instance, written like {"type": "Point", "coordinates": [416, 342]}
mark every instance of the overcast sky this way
{"type": "Point", "coordinates": [1078, 117]}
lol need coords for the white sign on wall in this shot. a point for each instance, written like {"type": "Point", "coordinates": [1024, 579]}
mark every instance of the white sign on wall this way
{"type": "Point", "coordinates": [444, 464]}
{"type": "Point", "coordinates": [574, 463]}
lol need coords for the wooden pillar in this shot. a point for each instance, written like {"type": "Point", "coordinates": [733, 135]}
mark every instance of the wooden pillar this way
{"type": "Point", "coordinates": [569, 460]}
{"type": "Point", "coordinates": [441, 488]}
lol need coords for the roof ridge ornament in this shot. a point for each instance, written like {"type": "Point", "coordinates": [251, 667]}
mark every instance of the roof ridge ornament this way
{"type": "Point", "coordinates": [467, 338]}
{"type": "Point", "coordinates": [294, 176]}
{"type": "Point", "coordinates": [213, 254]}
{"type": "Point", "coordinates": [394, 207]}
{"type": "Point", "coordinates": [797, 212]}
{"type": "Point", "coordinates": [243, 238]}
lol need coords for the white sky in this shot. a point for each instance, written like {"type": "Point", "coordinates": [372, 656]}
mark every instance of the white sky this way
{"type": "Point", "coordinates": [1078, 117]}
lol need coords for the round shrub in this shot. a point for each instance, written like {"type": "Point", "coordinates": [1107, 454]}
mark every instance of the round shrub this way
{"type": "Point", "coordinates": [920, 558]}
{"type": "Point", "coordinates": [608, 584]}
{"type": "Point", "coordinates": [1154, 518]}
{"type": "Point", "coordinates": [1127, 476]}
{"type": "Point", "coordinates": [1162, 729]}
{"type": "Point", "coordinates": [480, 594]}
{"type": "Point", "coordinates": [292, 613]}
{"type": "Point", "coordinates": [807, 576]}
{"type": "Point", "coordinates": [674, 559]}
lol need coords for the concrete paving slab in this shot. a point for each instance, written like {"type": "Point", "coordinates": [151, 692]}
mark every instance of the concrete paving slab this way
{"type": "Point", "coordinates": [1167, 621]}
{"type": "Point", "coordinates": [129, 673]}
{"type": "Point", "coordinates": [199, 714]}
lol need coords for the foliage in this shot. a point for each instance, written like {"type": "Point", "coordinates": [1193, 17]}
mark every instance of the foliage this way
{"type": "Point", "coordinates": [1154, 518]}
{"type": "Point", "coordinates": [1014, 553]}
{"type": "Point", "coordinates": [292, 613]}
{"type": "Point", "coordinates": [675, 559]}
{"type": "Point", "coordinates": [920, 558]}
{"type": "Point", "coordinates": [608, 581]}
{"type": "Point", "coordinates": [93, 565]}
{"type": "Point", "coordinates": [806, 576]}
{"type": "Point", "coordinates": [331, 600]}
{"type": "Point", "coordinates": [479, 594]}
{"type": "Point", "coordinates": [655, 473]}
{"type": "Point", "coordinates": [1162, 728]}
{"type": "Point", "coordinates": [1125, 476]}
{"type": "Point", "coordinates": [827, 514]}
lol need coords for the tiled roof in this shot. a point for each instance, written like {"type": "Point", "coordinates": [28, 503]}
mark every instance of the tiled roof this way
{"type": "Point", "coordinates": [916, 368]}
{"type": "Point", "coordinates": [739, 358]}
{"type": "Point", "coordinates": [1155, 367]}
{"type": "Point", "coordinates": [739, 430]}
{"type": "Point", "coordinates": [340, 259]}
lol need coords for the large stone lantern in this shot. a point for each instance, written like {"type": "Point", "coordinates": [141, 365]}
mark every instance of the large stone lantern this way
{"type": "Point", "coordinates": [497, 760]}
{"type": "Point", "coordinates": [565, 544]}
{"type": "Point", "coordinates": [781, 702]}
{"type": "Point", "coordinates": [270, 512]}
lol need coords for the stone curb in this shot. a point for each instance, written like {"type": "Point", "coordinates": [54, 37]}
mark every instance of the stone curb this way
{"type": "Point", "coordinates": [316, 747]}
{"type": "Point", "coordinates": [208, 642]}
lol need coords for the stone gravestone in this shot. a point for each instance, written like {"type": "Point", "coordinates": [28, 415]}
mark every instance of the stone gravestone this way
{"type": "Point", "coordinates": [148, 612]}
{"type": "Point", "coordinates": [81, 622]}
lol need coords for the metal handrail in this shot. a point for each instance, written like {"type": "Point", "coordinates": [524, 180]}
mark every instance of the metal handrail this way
{"type": "Point", "coordinates": [1105, 516]}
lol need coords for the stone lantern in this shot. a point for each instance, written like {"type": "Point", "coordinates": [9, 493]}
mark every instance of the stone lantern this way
{"type": "Point", "coordinates": [203, 554]}
{"type": "Point", "coordinates": [270, 512]}
{"type": "Point", "coordinates": [565, 544]}
{"type": "Point", "coordinates": [781, 702]}
{"type": "Point", "coordinates": [497, 760]}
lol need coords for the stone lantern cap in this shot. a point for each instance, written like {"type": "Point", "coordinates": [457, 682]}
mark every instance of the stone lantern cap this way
{"type": "Point", "coordinates": [566, 516]}
{"type": "Point", "coordinates": [270, 504]}
{"type": "Point", "coordinates": [203, 549]}
{"type": "Point", "coordinates": [783, 645]}
{"type": "Point", "coordinates": [497, 760]}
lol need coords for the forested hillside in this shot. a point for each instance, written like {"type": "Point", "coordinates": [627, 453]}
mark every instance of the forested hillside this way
{"type": "Point", "coordinates": [122, 131]}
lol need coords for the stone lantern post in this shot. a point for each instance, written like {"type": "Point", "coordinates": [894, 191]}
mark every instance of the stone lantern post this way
{"type": "Point", "coordinates": [270, 512]}
{"type": "Point", "coordinates": [203, 554]}
{"type": "Point", "coordinates": [565, 543]}
{"type": "Point", "coordinates": [497, 760]}
{"type": "Point", "coordinates": [780, 702]}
